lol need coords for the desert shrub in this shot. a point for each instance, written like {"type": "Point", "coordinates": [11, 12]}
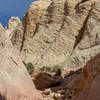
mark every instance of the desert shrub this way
{"type": "Point", "coordinates": [56, 68]}
{"type": "Point", "coordinates": [52, 69]}
{"type": "Point", "coordinates": [30, 67]}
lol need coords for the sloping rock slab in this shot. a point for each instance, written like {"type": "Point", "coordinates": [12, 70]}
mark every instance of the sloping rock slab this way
{"type": "Point", "coordinates": [15, 82]}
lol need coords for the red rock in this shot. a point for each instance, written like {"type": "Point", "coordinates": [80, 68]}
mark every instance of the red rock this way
{"type": "Point", "coordinates": [45, 80]}
{"type": "Point", "coordinates": [89, 84]}
{"type": "Point", "coordinates": [92, 92]}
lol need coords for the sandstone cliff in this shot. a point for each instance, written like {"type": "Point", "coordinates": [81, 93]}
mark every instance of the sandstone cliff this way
{"type": "Point", "coordinates": [62, 32]}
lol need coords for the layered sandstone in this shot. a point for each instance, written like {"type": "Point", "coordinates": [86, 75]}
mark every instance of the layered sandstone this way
{"type": "Point", "coordinates": [25, 30]}
{"type": "Point", "coordinates": [62, 32]}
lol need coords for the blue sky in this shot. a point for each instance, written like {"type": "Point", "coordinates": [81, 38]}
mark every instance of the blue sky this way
{"type": "Point", "coordinates": [10, 8]}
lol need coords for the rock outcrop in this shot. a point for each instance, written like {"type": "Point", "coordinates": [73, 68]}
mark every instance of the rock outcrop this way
{"type": "Point", "coordinates": [12, 25]}
{"type": "Point", "coordinates": [32, 17]}
{"type": "Point", "coordinates": [63, 32]}
{"type": "Point", "coordinates": [25, 30]}
{"type": "Point", "coordinates": [82, 84]}
{"type": "Point", "coordinates": [47, 80]}
{"type": "Point", "coordinates": [90, 79]}
{"type": "Point", "coordinates": [15, 82]}
{"type": "Point", "coordinates": [89, 46]}
{"type": "Point", "coordinates": [53, 33]}
{"type": "Point", "coordinates": [15, 30]}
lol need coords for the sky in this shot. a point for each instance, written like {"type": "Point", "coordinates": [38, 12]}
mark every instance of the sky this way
{"type": "Point", "coordinates": [15, 8]}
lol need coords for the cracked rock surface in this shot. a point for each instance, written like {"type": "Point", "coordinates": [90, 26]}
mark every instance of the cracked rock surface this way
{"type": "Point", "coordinates": [15, 82]}
{"type": "Point", "coordinates": [63, 32]}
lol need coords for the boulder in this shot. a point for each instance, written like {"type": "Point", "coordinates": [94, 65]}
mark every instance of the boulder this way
{"type": "Point", "coordinates": [45, 80]}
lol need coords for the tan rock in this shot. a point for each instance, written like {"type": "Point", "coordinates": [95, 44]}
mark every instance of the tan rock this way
{"type": "Point", "coordinates": [15, 31]}
{"type": "Point", "coordinates": [15, 82]}
{"type": "Point", "coordinates": [12, 25]}
{"type": "Point", "coordinates": [66, 33]}
{"type": "Point", "coordinates": [70, 6]}
{"type": "Point", "coordinates": [54, 40]}
{"type": "Point", "coordinates": [89, 80]}
{"type": "Point", "coordinates": [89, 45]}
{"type": "Point", "coordinates": [32, 17]}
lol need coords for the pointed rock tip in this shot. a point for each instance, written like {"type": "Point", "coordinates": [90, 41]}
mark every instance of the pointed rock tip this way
{"type": "Point", "coordinates": [1, 26]}
{"type": "Point", "coordinates": [14, 19]}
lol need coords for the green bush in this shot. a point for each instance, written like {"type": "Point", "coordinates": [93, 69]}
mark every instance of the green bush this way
{"type": "Point", "coordinates": [29, 66]}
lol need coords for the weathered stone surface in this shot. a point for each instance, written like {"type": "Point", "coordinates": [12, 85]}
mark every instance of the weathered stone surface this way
{"type": "Point", "coordinates": [89, 45]}
{"type": "Point", "coordinates": [71, 5]}
{"type": "Point", "coordinates": [25, 30]}
{"type": "Point", "coordinates": [12, 25]}
{"type": "Point", "coordinates": [66, 33]}
{"type": "Point", "coordinates": [89, 80]}
{"type": "Point", "coordinates": [53, 33]}
{"type": "Point", "coordinates": [15, 31]}
{"type": "Point", "coordinates": [32, 17]}
{"type": "Point", "coordinates": [45, 80]}
{"type": "Point", "coordinates": [49, 26]}
{"type": "Point", "coordinates": [15, 82]}
{"type": "Point", "coordinates": [55, 39]}
{"type": "Point", "coordinates": [92, 92]}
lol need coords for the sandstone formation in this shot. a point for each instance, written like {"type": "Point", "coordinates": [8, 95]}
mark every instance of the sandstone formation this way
{"type": "Point", "coordinates": [15, 82]}
{"type": "Point", "coordinates": [52, 33]}
{"type": "Point", "coordinates": [83, 84]}
{"type": "Point", "coordinates": [32, 17]}
{"type": "Point", "coordinates": [12, 25]}
{"type": "Point", "coordinates": [63, 32]}
{"type": "Point", "coordinates": [15, 31]}
{"type": "Point", "coordinates": [90, 79]}
{"type": "Point", "coordinates": [25, 30]}
{"type": "Point", "coordinates": [89, 46]}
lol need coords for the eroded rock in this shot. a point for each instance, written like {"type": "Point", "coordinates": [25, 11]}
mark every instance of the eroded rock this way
{"type": "Point", "coordinates": [89, 80]}
{"type": "Point", "coordinates": [45, 80]}
{"type": "Point", "coordinates": [15, 82]}
{"type": "Point", "coordinates": [63, 32]}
